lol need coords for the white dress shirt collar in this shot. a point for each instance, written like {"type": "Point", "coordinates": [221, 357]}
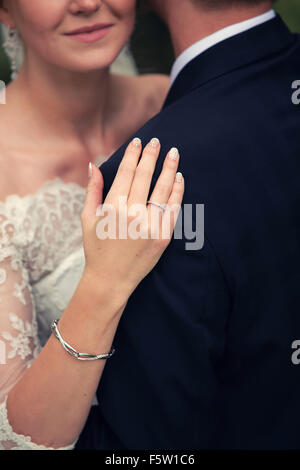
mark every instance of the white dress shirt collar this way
{"type": "Point", "coordinates": [193, 51]}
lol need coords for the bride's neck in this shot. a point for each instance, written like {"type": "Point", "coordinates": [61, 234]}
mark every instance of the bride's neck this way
{"type": "Point", "coordinates": [69, 103]}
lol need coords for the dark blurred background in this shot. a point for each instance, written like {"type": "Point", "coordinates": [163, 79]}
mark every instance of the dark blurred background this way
{"type": "Point", "coordinates": [151, 43]}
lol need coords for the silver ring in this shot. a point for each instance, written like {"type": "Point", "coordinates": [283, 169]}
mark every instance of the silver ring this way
{"type": "Point", "coordinates": [161, 206]}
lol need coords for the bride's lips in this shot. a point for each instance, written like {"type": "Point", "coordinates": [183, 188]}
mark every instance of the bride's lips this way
{"type": "Point", "coordinates": [90, 33]}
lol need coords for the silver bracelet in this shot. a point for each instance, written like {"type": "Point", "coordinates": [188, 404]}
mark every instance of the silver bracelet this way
{"type": "Point", "coordinates": [73, 352]}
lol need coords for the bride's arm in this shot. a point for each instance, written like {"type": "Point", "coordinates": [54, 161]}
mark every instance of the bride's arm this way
{"type": "Point", "coordinates": [51, 399]}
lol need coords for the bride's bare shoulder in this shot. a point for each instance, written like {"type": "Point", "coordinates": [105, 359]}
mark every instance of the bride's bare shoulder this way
{"type": "Point", "coordinates": [143, 96]}
{"type": "Point", "coordinates": [8, 168]}
{"type": "Point", "coordinates": [153, 89]}
{"type": "Point", "coordinates": [7, 183]}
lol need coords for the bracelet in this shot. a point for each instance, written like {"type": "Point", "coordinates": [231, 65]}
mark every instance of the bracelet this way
{"type": "Point", "coordinates": [73, 352]}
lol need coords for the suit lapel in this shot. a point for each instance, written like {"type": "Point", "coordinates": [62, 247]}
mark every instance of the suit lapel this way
{"type": "Point", "coordinates": [254, 45]}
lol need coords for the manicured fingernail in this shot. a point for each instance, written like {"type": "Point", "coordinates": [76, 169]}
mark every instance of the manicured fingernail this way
{"type": "Point", "coordinates": [179, 177]}
{"type": "Point", "coordinates": [136, 142]}
{"type": "Point", "coordinates": [154, 142]}
{"type": "Point", "coordinates": [173, 154]}
{"type": "Point", "coordinates": [90, 170]}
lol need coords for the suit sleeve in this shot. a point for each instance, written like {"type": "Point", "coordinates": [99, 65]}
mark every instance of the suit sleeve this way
{"type": "Point", "coordinates": [160, 389]}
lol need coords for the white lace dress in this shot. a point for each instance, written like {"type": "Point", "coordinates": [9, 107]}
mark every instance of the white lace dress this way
{"type": "Point", "coordinates": [41, 263]}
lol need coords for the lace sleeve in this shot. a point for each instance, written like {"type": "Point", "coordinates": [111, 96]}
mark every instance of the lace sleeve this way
{"type": "Point", "coordinates": [19, 344]}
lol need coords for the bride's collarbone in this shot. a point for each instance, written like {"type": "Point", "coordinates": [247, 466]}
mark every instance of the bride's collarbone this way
{"type": "Point", "coordinates": [23, 167]}
{"type": "Point", "coordinates": [22, 173]}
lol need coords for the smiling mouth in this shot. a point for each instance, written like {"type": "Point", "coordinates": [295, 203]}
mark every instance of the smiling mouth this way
{"type": "Point", "coordinates": [90, 33]}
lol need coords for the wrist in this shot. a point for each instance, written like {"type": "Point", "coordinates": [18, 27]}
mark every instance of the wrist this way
{"type": "Point", "coordinates": [92, 315]}
{"type": "Point", "coordinates": [105, 293]}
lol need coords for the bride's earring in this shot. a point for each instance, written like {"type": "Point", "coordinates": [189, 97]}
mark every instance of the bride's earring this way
{"type": "Point", "coordinates": [11, 47]}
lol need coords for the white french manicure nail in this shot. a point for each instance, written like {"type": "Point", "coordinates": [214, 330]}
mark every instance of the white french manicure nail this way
{"type": "Point", "coordinates": [90, 170]}
{"type": "Point", "coordinates": [173, 155]}
{"type": "Point", "coordinates": [136, 142]}
{"type": "Point", "coordinates": [154, 142]}
{"type": "Point", "coordinates": [179, 177]}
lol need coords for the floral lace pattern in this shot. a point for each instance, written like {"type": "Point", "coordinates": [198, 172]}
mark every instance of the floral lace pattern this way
{"type": "Point", "coordinates": [37, 232]}
{"type": "Point", "coordinates": [20, 344]}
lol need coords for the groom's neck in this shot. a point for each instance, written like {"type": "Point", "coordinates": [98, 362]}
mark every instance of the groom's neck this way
{"type": "Point", "coordinates": [188, 23]}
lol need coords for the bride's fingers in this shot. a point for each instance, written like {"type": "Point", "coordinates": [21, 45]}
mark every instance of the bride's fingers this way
{"type": "Point", "coordinates": [143, 176]}
{"type": "Point", "coordinates": [94, 193]}
{"type": "Point", "coordinates": [173, 207]}
{"type": "Point", "coordinates": [165, 182]}
{"type": "Point", "coordinates": [126, 171]}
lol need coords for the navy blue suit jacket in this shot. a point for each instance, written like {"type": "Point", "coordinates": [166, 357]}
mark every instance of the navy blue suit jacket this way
{"type": "Point", "coordinates": [203, 349]}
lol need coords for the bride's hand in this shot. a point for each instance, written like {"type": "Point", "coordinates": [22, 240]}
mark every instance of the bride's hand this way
{"type": "Point", "coordinates": [123, 260]}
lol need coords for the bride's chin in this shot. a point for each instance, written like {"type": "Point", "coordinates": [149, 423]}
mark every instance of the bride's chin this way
{"type": "Point", "coordinates": [90, 61]}
{"type": "Point", "coordinates": [88, 69]}
{"type": "Point", "coordinates": [84, 62]}
{"type": "Point", "coordinates": [84, 66]}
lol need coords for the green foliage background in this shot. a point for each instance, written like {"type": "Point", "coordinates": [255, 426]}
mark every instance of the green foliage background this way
{"type": "Point", "coordinates": [290, 12]}
{"type": "Point", "coordinates": [151, 45]}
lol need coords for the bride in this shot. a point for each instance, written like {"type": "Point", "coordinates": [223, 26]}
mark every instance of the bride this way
{"type": "Point", "coordinates": [66, 108]}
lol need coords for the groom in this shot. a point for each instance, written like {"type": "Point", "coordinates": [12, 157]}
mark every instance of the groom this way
{"type": "Point", "coordinates": [205, 345]}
